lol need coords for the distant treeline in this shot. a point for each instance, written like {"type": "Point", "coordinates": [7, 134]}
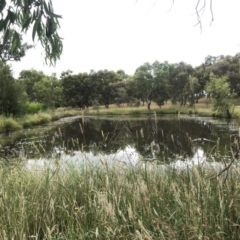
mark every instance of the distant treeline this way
{"type": "Point", "coordinates": [159, 82]}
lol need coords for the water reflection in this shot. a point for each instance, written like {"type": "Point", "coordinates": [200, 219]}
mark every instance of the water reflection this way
{"type": "Point", "coordinates": [161, 138]}
{"type": "Point", "coordinates": [198, 158]}
{"type": "Point", "coordinates": [127, 156]}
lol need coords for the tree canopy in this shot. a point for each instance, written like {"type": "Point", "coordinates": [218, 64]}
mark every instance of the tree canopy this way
{"type": "Point", "coordinates": [18, 17]}
{"type": "Point", "coordinates": [156, 82]}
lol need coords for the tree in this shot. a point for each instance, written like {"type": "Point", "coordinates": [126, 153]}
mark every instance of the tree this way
{"type": "Point", "coordinates": [48, 91]}
{"type": "Point", "coordinates": [178, 81]}
{"type": "Point", "coordinates": [202, 73]}
{"type": "Point", "coordinates": [151, 82]}
{"type": "Point", "coordinates": [191, 90]}
{"type": "Point", "coordinates": [104, 86]}
{"type": "Point", "coordinates": [29, 78]}
{"type": "Point", "coordinates": [20, 16]}
{"type": "Point", "coordinates": [220, 92]}
{"type": "Point", "coordinates": [162, 72]}
{"type": "Point", "coordinates": [119, 92]}
{"type": "Point", "coordinates": [12, 94]}
{"type": "Point", "coordinates": [76, 90]}
{"type": "Point", "coordinates": [227, 66]}
{"type": "Point", "coordinates": [143, 79]}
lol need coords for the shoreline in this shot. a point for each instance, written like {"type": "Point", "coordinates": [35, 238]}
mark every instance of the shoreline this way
{"type": "Point", "coordinates": [11, 124]}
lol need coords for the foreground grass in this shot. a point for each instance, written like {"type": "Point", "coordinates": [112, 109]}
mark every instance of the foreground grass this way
{"type": "Point", "coordinates": [117, 203]}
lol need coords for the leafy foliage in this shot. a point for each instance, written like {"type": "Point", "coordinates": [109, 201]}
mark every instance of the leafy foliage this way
{"type": "Point", "coordinates": [220, 92]}
{"type": "Point", "coordinates": [178, 82]}
{"type": "Point", "coordinates": [12, 93]}
{"type": "Point", "coordinates": [151, 82]}
{"type": "Point", "coordinates": [33, 107]}
{"type": "Point", "coordinates": [29, 78]}
{"type": "Point", "coordinates": [157, 82]}
{"type": "Point", "coordinates": [48, 91]}
{"type": "Point", "coordinates": [20, 16]}
{"type": "Point", "coordinates": [8, 54]}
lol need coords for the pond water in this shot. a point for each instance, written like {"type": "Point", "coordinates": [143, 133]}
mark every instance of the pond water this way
{"type": "Point", "coordinates": [130, 139]}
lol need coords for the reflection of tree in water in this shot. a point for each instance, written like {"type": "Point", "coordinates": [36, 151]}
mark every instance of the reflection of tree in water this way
{"type": "Point", "coordinates": [165, 137]}
{"type": "Point", "coordinates": [122, 135]}
{"type": "Point", "coordinates": [156, 136]}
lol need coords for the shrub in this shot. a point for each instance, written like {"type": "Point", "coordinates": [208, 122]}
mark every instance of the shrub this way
{"type": "Point", "coordinates": [32, 120]}
{"type": "Point", "coordinates": [9, 124]}
{"type": "Point", "coordinates": [33, 107]}
{"type": "Point", "coordinates": [43, 118]}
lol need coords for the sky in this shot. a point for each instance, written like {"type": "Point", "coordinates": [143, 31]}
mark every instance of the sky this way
{"type": "Point", "coordinates": [124, 34]}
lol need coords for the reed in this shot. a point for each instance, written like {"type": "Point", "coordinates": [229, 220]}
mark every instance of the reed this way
{"type": "Point", "coordinates": [117, 202]}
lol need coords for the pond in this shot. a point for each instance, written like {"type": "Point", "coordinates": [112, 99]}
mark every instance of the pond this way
{"type": "Point", "coordinates": [130, 139]}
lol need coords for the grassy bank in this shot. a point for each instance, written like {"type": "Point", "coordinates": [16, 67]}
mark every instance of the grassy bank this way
{"type": "Point", "coordinates": [203, 108]}
{"type": "Point", "coordinates": [8, 124]}
{"type": "Point", "coordinates": [117, 203]}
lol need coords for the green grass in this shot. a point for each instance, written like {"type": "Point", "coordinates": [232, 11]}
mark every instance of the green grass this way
{"type": "Point", "coordinates": [8, 124]}
{"type": "Point", "coordinates": [30, 120]}
{"type": "Point", "coordinates": [35, 119]}
{"type": "Point", "coordinates": [117, 202]}
{"type": "Point", "coordinates": [62, 112]}
{"type": "Point", "coordinates": [202, 108]}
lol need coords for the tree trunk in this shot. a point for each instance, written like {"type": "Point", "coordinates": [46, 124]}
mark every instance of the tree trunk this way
{"type": "Point", "coordinates": [149, 105]}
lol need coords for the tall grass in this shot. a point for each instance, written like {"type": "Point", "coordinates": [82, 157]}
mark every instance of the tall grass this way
{"type": "Point", "coordinates": [117, 202]}
{"type": "Point", "coordinates": [9, 124]}
{"type": "Point", "coordinates": [29, 120]}
{"type": "Point", "coordinates": [35, 119]}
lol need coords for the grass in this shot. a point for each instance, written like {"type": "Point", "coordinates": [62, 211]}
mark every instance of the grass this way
{"type": "Point", "coordinates": [202, 108]}
{"type": "Point", "coordinates": [148, 201]}
{"type": "Point", "coordinates": [8, 124]}
{"type": "Point", "coordinates": [120, 202]}
{"type": "Point", "coordinates": [29, 120]}
{"type": "Point", "coordinates": [35, 119]}
{"type": "Point", "coordinates": [62, 112]}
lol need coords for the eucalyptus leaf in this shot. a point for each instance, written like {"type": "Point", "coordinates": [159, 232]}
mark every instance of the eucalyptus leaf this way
{"type": "Point", "coordinates": [51, 14]}
{"type": "Point", "coordinates": [5, 22]}
{"type": "Point", "coordinates": [1, 24]}
{"type": "Point", "coordinates": [16, 42]}
{"type": "Point", "coordinates": [27, 23]}
{"type": "Point", "coordinates": [37, 15]}
{"type": "Point", "coordinates": [6, 36]}
{"type": "Point", "coordinates": [45, 7]}
{"type": "Point", "coordinates": [35, 27]}
{"type": "Point", "coordinates": [12, 16]}
{"type": "Point", "coordinates": [2, 5]}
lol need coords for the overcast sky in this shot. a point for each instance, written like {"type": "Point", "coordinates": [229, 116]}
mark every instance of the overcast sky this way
{"type": "Point", "coordinates": [123, 34]}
